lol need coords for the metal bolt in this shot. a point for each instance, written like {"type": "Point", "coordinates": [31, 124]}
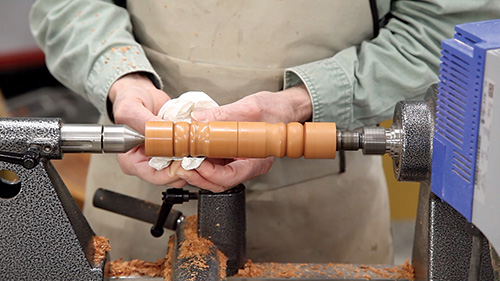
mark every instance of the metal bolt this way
{"type": "Point", "coordinates": [29, 163]}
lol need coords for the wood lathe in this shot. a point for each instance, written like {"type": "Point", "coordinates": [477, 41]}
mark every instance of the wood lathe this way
{"type": "Point", "coordinates": [445, 142]}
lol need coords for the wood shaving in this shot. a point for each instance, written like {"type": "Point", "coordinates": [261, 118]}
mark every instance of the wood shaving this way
{"type": "Point", "coordinates": [271, 270]}
{"type": "Point", "coordinates": [101, 247]}
{"type": "Point", "coordinates": [193, 246]}
{"type": "Point", "coordinates": [167, 272]}
{"type": "Point", "coordinates": [196, 249]}
{"type": "Point", "coordinates": [331, 270]}
{"type": "Point", "coordinates": [222, 264]}
{"type": "Point", "coordinates": [121, 268]}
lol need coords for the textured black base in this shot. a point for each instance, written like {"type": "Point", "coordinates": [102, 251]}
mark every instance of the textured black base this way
{"type": "Point", "coordinates": [43, 234]}
{"type": "Point", "coordinates": [443, 245]}
{"type": "Point", "coordinates": [222, 220]}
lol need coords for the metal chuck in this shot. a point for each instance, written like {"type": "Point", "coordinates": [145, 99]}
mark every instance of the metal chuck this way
{"type": "Point", "coordinates": [99, 138]}
{"type": "Point", "coordinates": [408, 141]}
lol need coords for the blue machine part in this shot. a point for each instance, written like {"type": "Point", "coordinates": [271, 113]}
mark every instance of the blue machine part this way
{"type": "Point", "coordinates": [458, 111]}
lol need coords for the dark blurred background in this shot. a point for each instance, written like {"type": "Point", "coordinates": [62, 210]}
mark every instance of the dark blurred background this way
{"type": "Point", "coordinates": [27, 87]}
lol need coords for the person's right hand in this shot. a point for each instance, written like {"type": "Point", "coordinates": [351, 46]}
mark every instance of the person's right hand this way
{"type": "Point", "coordinates": [136, 100]}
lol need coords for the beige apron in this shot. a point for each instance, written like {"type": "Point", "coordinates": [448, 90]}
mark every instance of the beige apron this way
{"type": "Point", "coordinates": [302, 210]}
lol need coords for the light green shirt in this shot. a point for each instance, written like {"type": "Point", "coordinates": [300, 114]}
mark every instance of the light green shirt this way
{"type": "Point", "coordinates": [89, 45]}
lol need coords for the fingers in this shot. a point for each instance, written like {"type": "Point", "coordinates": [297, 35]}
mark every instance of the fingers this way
{"type": "Point", "coordinates": [136, 106]}
{"type": "Point", "coordinates": [194, 178]}
{"type": "Point", "coordinates": [135, 101]}
{"type": "Point", "coordinates": [243, 110]}
{"type": "Point", "coordinates": [135, 163]}
{"type": "Point", "coordinates": [261, 107]}
{"type": "Point", "coordinates": [218, 178]}
{"type": "Point", "coordinates": [212, 114]}
{"type": "Point", "coordinates": [136, 117]}
{"type": "Point", "coordinates": [178, 184]}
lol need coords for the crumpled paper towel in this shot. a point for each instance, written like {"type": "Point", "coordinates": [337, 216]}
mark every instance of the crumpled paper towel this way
{"type": "Point", "coordinates": [177, 110]}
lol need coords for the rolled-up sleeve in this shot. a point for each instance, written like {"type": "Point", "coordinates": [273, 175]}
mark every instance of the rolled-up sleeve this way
{"type": "Point", "coordinates": [88, 45]}
{"type": "Point", "coordinates": [360, 85]}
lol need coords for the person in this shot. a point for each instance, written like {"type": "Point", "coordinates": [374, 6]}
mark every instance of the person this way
{"type": "Point", "coordinates": [273, 61]}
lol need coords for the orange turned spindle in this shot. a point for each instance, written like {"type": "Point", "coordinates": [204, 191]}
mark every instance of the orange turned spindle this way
{"type": "Point", "coordinates": [240, 139]}
{"type": "Point", "coordinates": [159, 139]}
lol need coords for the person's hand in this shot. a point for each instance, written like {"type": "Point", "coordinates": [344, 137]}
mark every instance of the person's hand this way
{"type": "Point", "coordinates": [135, 101]}
{"type": "Point", "coordinates": [217, 175]}
{"type": "Point", "coordinates": [293, 104]}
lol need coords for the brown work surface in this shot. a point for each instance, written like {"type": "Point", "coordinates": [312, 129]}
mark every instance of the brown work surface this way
{"type": "Point", "coordinates": [327, 271]}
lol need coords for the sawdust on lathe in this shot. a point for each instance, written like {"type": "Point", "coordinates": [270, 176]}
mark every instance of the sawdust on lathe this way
{"type": "Point", "coordinates": [270, 270]}
{"type": "Point", "coordinates": [222, 264]}
{"type": "Point", "coordinates": [193, 245]}
{"type": "Point", "coordinates": [160, 268]}
{"type": "Point", "coordinates": [167, 272]}
{"type": "Point", "coordinates": [404, 271]}
{"type": "Point", "coordinates": [120, 268]}
{"type": "Point", "coordinates": [101, 247]}
{"type": "Point", "coordinates": [330, 270]}
{"type": "Point", "coordinates": [196, 249]}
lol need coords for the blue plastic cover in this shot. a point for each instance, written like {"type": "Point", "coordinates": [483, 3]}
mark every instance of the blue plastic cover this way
{"type": "Point", "coordinates": [458, 112]}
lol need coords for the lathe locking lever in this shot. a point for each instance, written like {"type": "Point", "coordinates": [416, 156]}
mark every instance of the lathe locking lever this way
{"type": "Point", "coordinates": [28, 160]}
{"type": "Point", "coordinates": [170, 197]}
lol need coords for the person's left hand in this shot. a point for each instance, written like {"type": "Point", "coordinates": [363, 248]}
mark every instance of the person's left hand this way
{"type": "Point", "coordinates": [218, 175]}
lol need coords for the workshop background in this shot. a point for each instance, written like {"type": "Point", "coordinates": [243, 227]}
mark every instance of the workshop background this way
{"type": "Point", "coordinates": [28, 89]}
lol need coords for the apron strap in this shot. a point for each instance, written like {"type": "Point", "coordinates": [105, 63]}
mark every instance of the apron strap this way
{"type": "Point", "coordinates": [375, 19]}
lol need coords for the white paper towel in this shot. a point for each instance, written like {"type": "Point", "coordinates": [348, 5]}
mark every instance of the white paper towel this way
{"type": "Point", "coordinates": [177, 110]}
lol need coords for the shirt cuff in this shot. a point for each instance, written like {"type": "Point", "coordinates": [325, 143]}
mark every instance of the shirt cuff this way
{"type": "Point", "coordinates": [113, 64]}
{"type": "Point", "coordinates": [330, 88]}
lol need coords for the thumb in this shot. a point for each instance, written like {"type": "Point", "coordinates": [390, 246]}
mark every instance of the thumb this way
{"type": "Point", "coordinates": [212, 114]}
{"type": "Point", "coordinates": [137, 119]}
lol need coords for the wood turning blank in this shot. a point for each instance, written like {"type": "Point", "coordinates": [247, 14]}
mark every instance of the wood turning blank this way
{"type": "Point", "coordinates": [241, 139]}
